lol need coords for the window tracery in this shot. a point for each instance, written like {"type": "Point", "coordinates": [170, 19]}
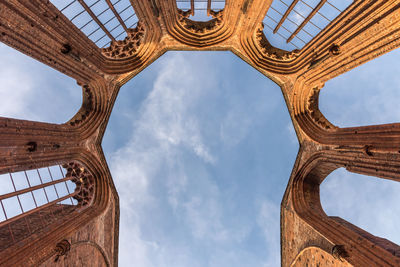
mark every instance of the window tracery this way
{"type": "Point", "coordinates": [34, 199]}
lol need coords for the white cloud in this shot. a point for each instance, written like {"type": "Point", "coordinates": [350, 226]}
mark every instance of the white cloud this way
{"type": "Point", "coordinates": [267, 221]}
{"type": "Point", "coordinates": [368, 202]}
{"type": "Point", "coordinates": [15, 91]}
{"type": "Point", "coordinates": [164, 129]}
{"type": "Point", "coordinates": [292, 133]}
{"type": "Point", "coordinates": [158, 190]}
{"type": "Point", "coordinates": [32, 91]}
{"type": "Point", "coordinates": [235, 126]}
{"type": "Point", "coordinates": [366, 95]}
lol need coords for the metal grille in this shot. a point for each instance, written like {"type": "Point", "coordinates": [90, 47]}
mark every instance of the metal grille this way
{"type": "Point", "coordinates": [30, 200]}
{"type": "Point", "coordinates": [291, 24]}
{"type": "Point", "coordinates": [100, 20]}
{"type": "Point", "coordinates": [200, 8]}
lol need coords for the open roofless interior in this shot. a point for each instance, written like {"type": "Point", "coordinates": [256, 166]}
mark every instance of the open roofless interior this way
{"type": "Point", "coordinates": [58, 177]}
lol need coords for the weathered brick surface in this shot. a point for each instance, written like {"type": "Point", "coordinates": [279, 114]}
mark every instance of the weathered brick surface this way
{"type": "Point", "coordinates": [316, 257]}
{"type": "Point", "coordinates": [91, 245]}
{"type": "Point", "coordinates": [32, 224]}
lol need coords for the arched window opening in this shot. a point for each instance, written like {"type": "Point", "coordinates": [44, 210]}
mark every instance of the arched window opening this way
{"type": "Point", "coordinates": [200, 147]}
{"type": "Point", "coordinates": [33, 91]}
{"type": "Point", "coordinates": [368, 205]}
{"type": "Point", "coordinates": [102, 21]}
{"type": "Point", "coordinates": [200, 10]}
{"type": "Point", "coordinates": [366, 95]}
{"type": "Point", "coordinates": [291, 24]}
{"type": "Point", "coordinates": [33, 199]}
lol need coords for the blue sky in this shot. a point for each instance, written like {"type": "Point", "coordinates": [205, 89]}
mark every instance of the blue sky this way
{"type": "Point", "coordinates": [195, 162]}
{"type": "Point", "coordinates": [201, 146]}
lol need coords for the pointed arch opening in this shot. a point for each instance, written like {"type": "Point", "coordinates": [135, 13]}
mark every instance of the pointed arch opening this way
{"type": "Point", "coordinates": [32, 200]}
{"type": "Point", "coordinates": [365, 204]}
{"type": "Point", "coordinates": [33, 91]}
{"type": "Point", "coordinates": [366, 95]}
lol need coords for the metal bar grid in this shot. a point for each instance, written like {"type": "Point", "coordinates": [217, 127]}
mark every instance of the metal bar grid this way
{"type": "Point", "coordinates": [192, 7]}
{"type": "Point", "coordinates": [23, 215]}
{"type": "Point", "coordinates": [301, 15]}
{"type": "Point", "coordinates": [319, 13]}
{"type": "Point", "coordinates": [65, 183]}
{"type": "Point", "coordinates": [265, 23]}
{"type": "Point", "coordinates": [308, 18]}
{"type": "Point", "coordinates": [284, 15]}
{"type": "Point", "coordinates": [117, 15]}
{"type": "Point", "coordinates": [132, 25]}
{"type": "Point", "coordinates": [98, 18]}
{"type": "Point", "coordinates": [200, 5]}
{"type": "Point", "coordinates": [30, 189]}
{"type": "Point", "coordinates": [94, 17]}
{"type": "Point", "coordinates": [280, 35]}
{"type": "Point", "coordinates": [33, 197]}
{"type": "Point", "coordinates": [22, 185]}
{"type": "Point", "coordinates": [289, 21]}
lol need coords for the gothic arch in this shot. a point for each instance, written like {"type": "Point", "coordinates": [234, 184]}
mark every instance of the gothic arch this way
{"type": "Point", "coordinates": [333, 230]}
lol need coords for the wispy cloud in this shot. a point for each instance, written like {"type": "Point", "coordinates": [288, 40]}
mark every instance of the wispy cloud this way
{"type": "Point", "coordinates": [267, 221]}
{"type": "Point", "coordinates": [33, 91]}
{"type": "Point", "coordinates": [15, 91]}
{"type": "Point", "coordinates": [165, 129]}
{"type": "Point", "coordinates": [368, 202]}
{"type": "Point", "coordinates": [173, 210]}
{"type": "Point", "coordinates": [292, 133]}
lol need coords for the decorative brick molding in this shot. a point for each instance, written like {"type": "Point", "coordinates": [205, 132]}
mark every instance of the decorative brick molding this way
{"type": "Point", "coordinates": [129, 46]}
{"type": "Point", "coordinates": [201, 27]}
{"type": "Point", "coordinates": [62, 249]}
{"type": "Point", "coordinates": [272, 52]}
{"type": "Point", "coordinates": [84, 183]}
{"type": "Point", "coordinates": [86, 109]}
{"type": "Point", "coordinates": [316, 115]}
{"type": "Point", "coordinates": [339, 252]}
